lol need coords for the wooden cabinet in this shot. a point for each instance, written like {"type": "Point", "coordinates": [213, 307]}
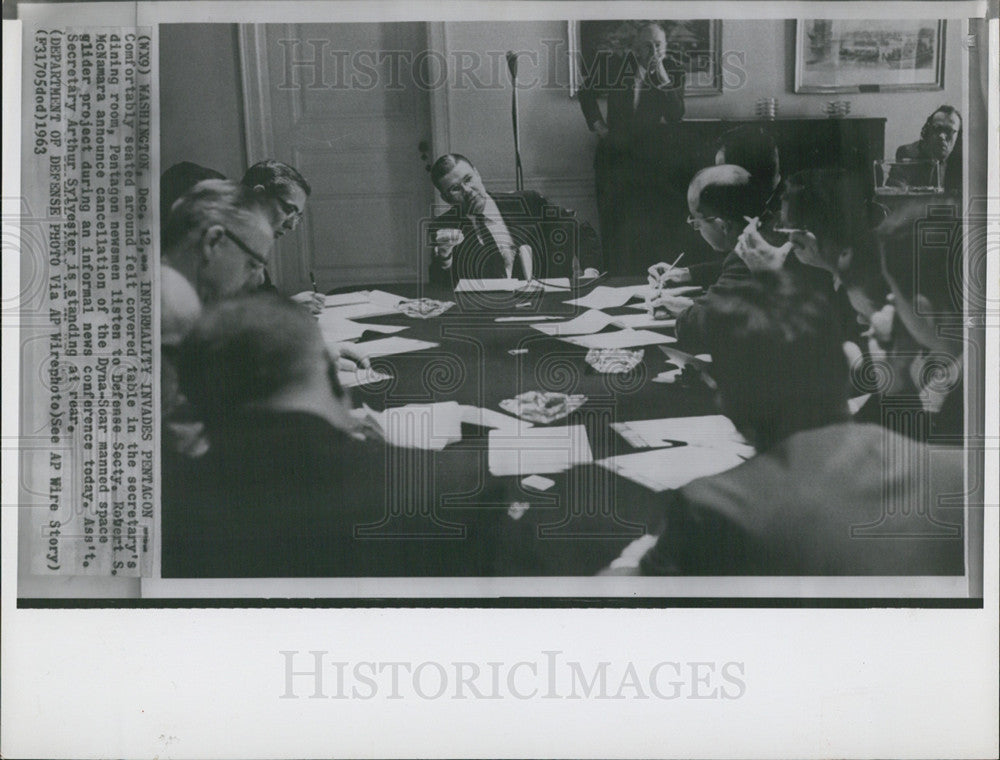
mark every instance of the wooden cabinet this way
{"type": "Point", "coordinates": [804, 143]}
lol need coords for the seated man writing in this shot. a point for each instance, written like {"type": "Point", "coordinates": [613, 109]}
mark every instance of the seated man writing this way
{"type": "Point", "coordinates": [823, 495]}
{"type": "Point", "coordinates": [719, 198]}
{"type": "Point", "coordinates": [503, 235]}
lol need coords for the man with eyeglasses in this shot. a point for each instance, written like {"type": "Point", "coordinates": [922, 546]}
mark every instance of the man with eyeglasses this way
{"type": "Point", "coordinates": [940, 140]}
{"type": "Point", "coordinates": [216, 245]}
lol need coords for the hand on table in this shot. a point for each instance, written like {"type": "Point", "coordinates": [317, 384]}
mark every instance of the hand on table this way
{"type": "Point", "coordinates": [757, 253]}
{"type": "Point", "coordinates": [313, 301]}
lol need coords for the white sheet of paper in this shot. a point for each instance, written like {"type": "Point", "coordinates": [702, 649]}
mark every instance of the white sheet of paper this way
{"type": "Point", "coordinates": [360, 376]}
{"type": "Point", "coordinates": [620, 339]}
{"type": "Point", "coordinates": [636, 321]}
{"type": "Point", "coordinates": [497, 285]}
{"type": "Point", "coordinates": [381, 298]}
{"type": "Point", "coordinates": [589, 322]}
{"type": "Point", "coordinates": [854, 404]}
{"type": "Point", "coordinates": [606, 297]}
{"type": "Point", "coordinates": [663, 469]}
{"type": "Point", "coordinates": [337, 330]}
{"type": "Point", "coordinates": [359, 311]}
{"type": "Point", "coordinates": [475, 415]}
{"type": "Point", "coordinates": [422, 426]}
{"type": "Point", "coordinates": [708, 430]}
{"type": "Point", "coordinates": [394, 345]}
{"type": "Point", "coordinates": [539, 450]}
{"type": "Point", "coordinates": [346, 299]}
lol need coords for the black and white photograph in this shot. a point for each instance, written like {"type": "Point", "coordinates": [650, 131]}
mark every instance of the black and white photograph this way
{"type": "Point", "coordinates": [404, 354]}
{"type": "Point", "coordinates": [538, 373]}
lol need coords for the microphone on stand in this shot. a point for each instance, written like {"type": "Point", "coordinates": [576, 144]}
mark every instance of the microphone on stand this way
{"type": "Point", "coordinates": [518, 172]}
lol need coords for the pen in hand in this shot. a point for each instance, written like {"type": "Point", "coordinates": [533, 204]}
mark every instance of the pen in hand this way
{"type": "Point", "coordinates": [312, 279]}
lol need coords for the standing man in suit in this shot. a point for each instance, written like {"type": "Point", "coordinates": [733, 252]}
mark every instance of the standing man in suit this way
{"type": "Point", "coordinates": [823, 495]}
{"type": "Point", "coordinates": [496, 235]}
{"type": "Point", "coordinates": [640, 190]}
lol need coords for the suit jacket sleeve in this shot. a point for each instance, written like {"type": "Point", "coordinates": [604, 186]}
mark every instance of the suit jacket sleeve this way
{"type": "Point", "coordinates": [588, 95]}
{"type": "Point", "coordinates": [691, 322]}
{"type": "Point", "coordinates": [696, 541]}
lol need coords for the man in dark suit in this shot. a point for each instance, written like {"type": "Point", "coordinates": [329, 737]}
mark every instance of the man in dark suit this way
{"type": "Point", "coordinates": [290, 486]}
{"type": "Point", "coordinates": [518, 235]}
{"type": "Point", "coordinates": [941, 141]}
{"type": "Point", "coordinates": [823, 495]}
{"type": "Point", "coordinates": [639, 171]}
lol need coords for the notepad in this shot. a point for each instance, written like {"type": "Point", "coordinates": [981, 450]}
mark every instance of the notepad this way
{"type": "Point", "coordinates": [663, 469]}
{"type": "Point", "coordinates": [538, 451]}
{"type": "Point", "coordinates": [619, 339]}
{"type": "Point", "coordinates": [422, 426]}
{"type": "Point", "coordinates": [709, 430]}
{"type": "Point", "coordinates": [394, 345]}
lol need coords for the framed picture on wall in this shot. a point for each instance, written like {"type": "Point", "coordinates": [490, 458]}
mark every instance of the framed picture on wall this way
{"type": "Point", "coordinates": [697, 43]}
{"type": "Point", "coordinates": [851, 55]}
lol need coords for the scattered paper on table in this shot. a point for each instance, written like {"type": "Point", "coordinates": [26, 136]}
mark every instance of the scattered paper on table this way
{"type": "Point", "coordinates": [381, 298]}
{"type": "Point", "coordinates": [642, 320]}
{"type": "Point", "coordinates": [538, 450]}
{"type": "Point", "coordinates": [607, 297]}
{"type": "Point", "coordinates": [663, 469]}
{"type": "Point", "coordinates": [336, 329]}
{"type": "Point", "coordinates": [358, 311]}
{"type": "Point", "coordinates": [423, 426]}
{"type": "Point", "coordinates": [589, 322]}
{"type": "Point", "coordinates": [346, 299]}
{"type": "Point", "coordinates": [538, 483]}
{"type": "Point", "coordinates": [619, 339]}
{"type": "Point", "coordinates": [350, 378]}
{"type": "Point", "coordinates": [394, 345]}
{"type": "Point", "coordinates": [709, 430]}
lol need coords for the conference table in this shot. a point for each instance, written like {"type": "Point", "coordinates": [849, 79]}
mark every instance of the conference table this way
{"type": "Point", "coordinates": [502, 527]}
